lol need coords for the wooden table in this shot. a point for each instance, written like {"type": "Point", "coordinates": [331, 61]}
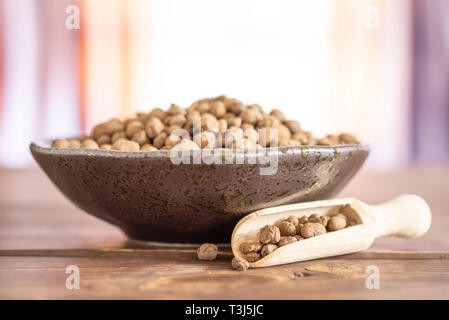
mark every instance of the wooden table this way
{"type": "Point", "coordinates": [41, 234]}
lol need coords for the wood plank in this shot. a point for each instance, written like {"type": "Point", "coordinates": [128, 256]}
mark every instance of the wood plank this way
{"type": "Point", "coordinates": [164, 277]}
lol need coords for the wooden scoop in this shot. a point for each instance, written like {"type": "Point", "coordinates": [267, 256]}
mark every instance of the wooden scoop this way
{"type": "Point", "coordinates": [406, 216]}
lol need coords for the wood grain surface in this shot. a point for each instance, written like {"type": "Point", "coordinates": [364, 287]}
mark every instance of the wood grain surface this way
{"type": "Point", "coordinates": [41, 233]}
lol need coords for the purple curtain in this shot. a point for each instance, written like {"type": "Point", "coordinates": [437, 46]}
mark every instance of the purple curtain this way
{"type": "Point", "coordinates": [430, 83]}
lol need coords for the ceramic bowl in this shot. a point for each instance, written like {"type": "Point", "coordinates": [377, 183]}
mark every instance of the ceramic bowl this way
{"type": "Point", "coordinates": [153, 199]}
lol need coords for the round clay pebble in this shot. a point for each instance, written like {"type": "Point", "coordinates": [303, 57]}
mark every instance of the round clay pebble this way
{"type": "Point", "coordinates": [133, 127]}
{"type": "Point", "coordinates": [312, 229]}
{"type": "Point", "coordinates": [140, 137]}
{"type": "Point", "coordinates": [293, 220]}
{"type": "Point", "coordinates": [207, 251]}
{"type": "Point", "coordinates": [118, 135]}
{"type": "Point", "coordinates": [252, 256]}
{"type": "Point", "coordinates": [347, 138]}
{"type": "Point", "coordinates": [157, 113]}
{"type": "Point", "coordinates": [236, 107]}
{"type": "Point", "coordinates": [60, 143]}
{"type": "Point", "coordinates": [286, 228]}
{"type": "Point", "coordinates": [302, 220]}
{"type": "Point", "coordinates": [278, 114]}
{"type": "Point", "coordinates": [106, 146]}
{"type": "Point", "coordinates": [185, 144]}
{"type": "Point", "coordinates": [250, 116]}
{"type": "Point", "coordinates": [74, 143]}
{"type": "Point", "coordinates": [159, 140]}
{"type": "Point", "coordinates": [283, 133]}
{"type": "Point", "coordinates": [193, 115]}
{"type": "Point", "coordinates": [293, 126]}
{"type": "Point", "coordinates": [251, 134]}
{"type": "Point", "coordinates": [203, 107]}
{"type": "Point", "coordinates": [89, 144]}
{"type": "Point", "coordinates": [125, 145]}
{"type": "Point", "coordinates": [174, 110]}
{"type": "Point", "coordinates": [172, 140]}
{"type": "Point", "coordinates": [147, 147]}
{"type": "Point", "coordinates": [240, 264]}
{"type": "Point", "coordinates": [103, 139]}
{"type": "Point", "coordinates": [250, 246]}
{"type": "Point", "coordinates": [177, 120]}
{"type": "Point", "coordinates": [321, 219]}
{"type": "Point", "coordinates": [153, 127]}
{"type": "Point", "coordinates": [268, 121]}
{"type": "Point", "coordinates": [336, 222]}
{"type": "Point", "coordinates": [269, 234]}
{"type": "Point", "coordinates": [289, 143]}
{"type": "Point", "coordinates": [267, 249]}
{"type": "Point", "coordinates": [234, 122]}
{"type": "Point", "coordinates": [205, 139]}
{"type": "Point", "coordinates": [218, 109]}
{"type": "Point", "coordinates": [286, 240]}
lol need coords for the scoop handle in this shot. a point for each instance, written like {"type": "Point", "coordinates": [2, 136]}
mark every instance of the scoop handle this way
{"type": "Point", "coordinates": [407, 216]}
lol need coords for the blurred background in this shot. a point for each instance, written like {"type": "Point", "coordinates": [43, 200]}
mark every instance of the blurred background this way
{"type": "Point", "coordinates": [377, 68]}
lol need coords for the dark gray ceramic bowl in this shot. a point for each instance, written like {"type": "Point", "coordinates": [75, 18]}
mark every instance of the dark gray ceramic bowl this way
{"type": "Point", "coordinates": [152, 199]}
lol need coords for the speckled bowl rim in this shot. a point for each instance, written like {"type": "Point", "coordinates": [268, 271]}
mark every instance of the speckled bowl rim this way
{"type": "Point", "coordinates": [38, 146]}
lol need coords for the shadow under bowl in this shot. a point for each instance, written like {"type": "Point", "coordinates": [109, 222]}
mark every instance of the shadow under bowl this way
{"type": "Point", "coordinates": [152, 199]}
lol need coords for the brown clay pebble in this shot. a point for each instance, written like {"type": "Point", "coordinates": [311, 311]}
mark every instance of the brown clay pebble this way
{"type": "Point", "coordinates": [299, 238]}
{"type": "Point", "coordinates": [268, 121]}
{"type": "Point", "coordinates": [312, 229]}
{"type": "Point", "coordinates": [157, 113]}
{"type": "Point", "coordinates": [321, 219]}
{"type": "Point", "coordinates": [269, 234]}
{"type": "Point", "coordinates": [106, 146]}
{"type": "Point", "coordinates": [336, 222]}
{"type": "Point", "coordinates": [347, 138]}
{"type": "Point", "coordinates": [240, 264]}
{"type": "Point", "coordinates": [250, 246]}
{"type": "Point", "coordinates": [174, 110]}
{"type": "Point", "coordinates": [293, 126]}
{"type": "Point", "coordinates": [118, 135]}
{"type": "Point", "coordinates": [153, 127]}
{"type": "Point", "coordinates": [140, 137]}
{"type": "Point", "coordinates": [159, 140]}
{"type": "Point", "coordinates": [286, 228]}
{"type": "Point", "coordinates": [302, 220]}
{"type": "Point", "coordinates": [178, 120]}
{"type": "Point", "coordinates": [253, 256]}
{"type": "Point", "coordinates": [124, 145]}
{"type": "Point", "coordinates": [89, 144]}
{"type": "Point", "coordinates": [278, 114]}
{"type": "Point", "coordinates": [267, 249]}
{"type": "Point", "coordinates": [103, 139]}
{"type": "Point", "coordinates": [147, 147]}
{"type": "Point", "coordinates": [218, 109]}
{"type": "Point", "coordinates": [286, 240]}
{"type": "Point", "coordinates": [207, 251]}
{"type": "Point", "coordinates": [74, 143]}
{"type": "Point", "coordinates": [219, 116]}
{"type": "Point", "coordinates": [133, 127]}
{"type": "Point", "coordinates": [60, 143]}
